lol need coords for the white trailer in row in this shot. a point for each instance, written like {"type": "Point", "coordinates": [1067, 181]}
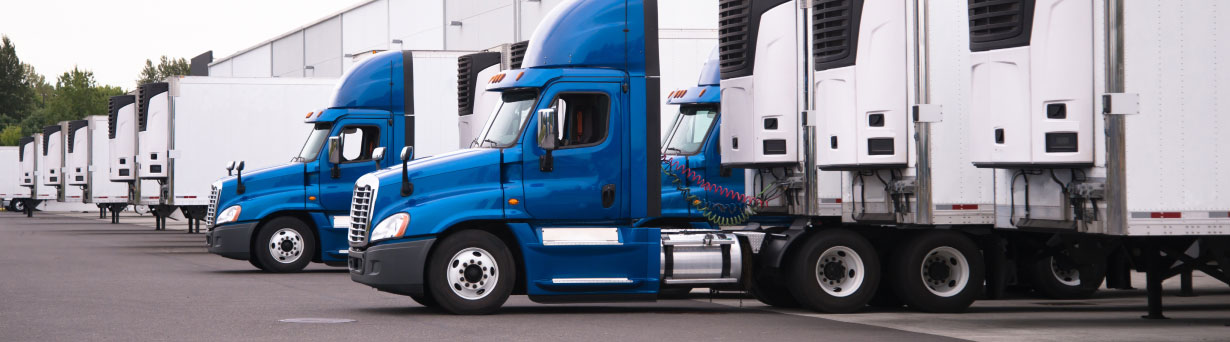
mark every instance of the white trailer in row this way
{"type": "Point", "coordinates": [187, 128]}
{"type": "Point", "coordinates": [86, 167]}
{"type": "Point", "coordinates": [10, 179]}
{"type": "Point", "coordinates": [929, 148]}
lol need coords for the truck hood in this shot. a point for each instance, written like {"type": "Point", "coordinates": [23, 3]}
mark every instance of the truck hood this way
{"type": "Point", "coordinates": [278, 178]}
{"type": "Point", "coordinates": [447, 183]}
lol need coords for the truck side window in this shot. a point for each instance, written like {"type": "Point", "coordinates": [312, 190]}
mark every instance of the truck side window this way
{"type": "Point", "coordinates": [585, 119]}
{"type": "Point", "coordinates": [358, 142]}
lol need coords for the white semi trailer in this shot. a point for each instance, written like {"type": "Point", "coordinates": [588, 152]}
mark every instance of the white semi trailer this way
{"type": "Point", "coordinates": [30, 155]}
{"type": "Point", "coordinates": [928, 148]}
{"type": "Point", "coordinates": [10, 178]}
{"type": "Point", "coordinates": [188, 128]}
{"type": "Point", "coordinates": [86, 167]}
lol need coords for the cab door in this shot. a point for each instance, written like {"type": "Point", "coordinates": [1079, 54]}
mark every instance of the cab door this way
{"type": "Point", "coordinates": [583, 177]}
{"type": "Point", "coordinates": [358, 138]}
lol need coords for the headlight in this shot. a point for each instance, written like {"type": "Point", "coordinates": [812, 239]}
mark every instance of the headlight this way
{"type": "Point", "coordinates": [391, 227]}
{"type": "Point", "coordinates": [229, 215]}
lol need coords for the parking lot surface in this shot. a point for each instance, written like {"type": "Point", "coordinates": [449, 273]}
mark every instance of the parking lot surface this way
{"type": "Point", "coordinates": [72, 276]}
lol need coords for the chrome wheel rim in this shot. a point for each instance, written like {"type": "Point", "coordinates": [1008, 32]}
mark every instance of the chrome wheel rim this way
{"type": "Point", "coordinates": [286, 245]}
{"type": "Point", "coordinates": [1066, 276]}
{"type": "Point", "coordinates": [472, 273]}
{"type": "Point", "coordinates": [840, 271]}
{"type": "Point", "coordinates": [945, 271]}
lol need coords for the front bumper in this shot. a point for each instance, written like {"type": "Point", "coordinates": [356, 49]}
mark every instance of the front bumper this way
{"type": "Point", "coordinates": [231, 241]}
{"type": "Point", "coordinates": [394, 268]}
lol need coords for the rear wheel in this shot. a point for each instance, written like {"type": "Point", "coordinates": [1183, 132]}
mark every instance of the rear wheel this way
{"type": "Point", "coordinates": [1061, 278]}
{"type": "Point", "coordinates": [284, 245]}
{"type": "Point", "coordinates": [471, 273]}
{"type": "Point", "coordinates": [938, 271]}
{"type": "Point", "coordinates": [838, 271]}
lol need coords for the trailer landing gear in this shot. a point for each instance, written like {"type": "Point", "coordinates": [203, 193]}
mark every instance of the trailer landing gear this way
{"type": "Point", "coordinates": [195, 215]}
{"type": "Point", "coordinates": [1208, 255]}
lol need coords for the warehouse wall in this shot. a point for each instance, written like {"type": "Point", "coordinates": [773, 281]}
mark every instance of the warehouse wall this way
{"type": "Point", "coordinates": [322, 48]}
{"type": "Point", "coordinates": [288, 56]}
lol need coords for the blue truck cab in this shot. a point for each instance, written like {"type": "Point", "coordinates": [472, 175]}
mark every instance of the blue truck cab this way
{"type": "Point", "coordinates": [546, 202]}
{"type": "Point", "coordinates": [697, 192]}
{"type": "Point", "coordinates": [283, 217]}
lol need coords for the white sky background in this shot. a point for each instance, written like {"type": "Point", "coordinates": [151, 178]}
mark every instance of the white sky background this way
{"type": "Point", "coordinates": [113, 38]}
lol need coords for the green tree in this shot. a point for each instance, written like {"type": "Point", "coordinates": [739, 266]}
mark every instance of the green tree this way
{"type": "Point", "coordinates": [166, 67]}
{"type": "Point", "coordinates": [42, 91]}
{"type": "Point", "coordinates": [76, 96]}
{"type": "Point", "coordinates": [10, 135]}
{"type": "Point", "coordinates": [16, 96]}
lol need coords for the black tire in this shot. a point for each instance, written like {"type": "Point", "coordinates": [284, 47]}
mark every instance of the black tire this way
{"type": "Point", "coordinates": [770, 290]}
{"type": "Point", "coordinates": [426, 300]}
{"type": "Point", "coordinates": [828, 260]}
{"type": "Point", "coordinates": [472, 293]}
{"type": "Point", "coordinates": [255, 263]}
{"type": "Point", "coordinates": [674, 293]}
{"type": "Point", "coordinates": [289, 235]}
{"type": "Point", "coordinates": [938, 249]}
{"type": "Point", "coordinates": [1058, 284]}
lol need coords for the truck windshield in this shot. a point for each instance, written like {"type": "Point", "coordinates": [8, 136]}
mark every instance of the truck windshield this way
{"type": "Point", "coordinates": [508, 118]}
{"type": "Point", "coordinates": [316, 139]}
{"type": "Point", "coordinates": [690, 129]}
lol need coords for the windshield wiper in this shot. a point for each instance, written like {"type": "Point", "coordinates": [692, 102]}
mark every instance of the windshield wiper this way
{"type": "Point", "coordinates": [668, 149]}
{"type": "Point", "coordinates": [493, 143]}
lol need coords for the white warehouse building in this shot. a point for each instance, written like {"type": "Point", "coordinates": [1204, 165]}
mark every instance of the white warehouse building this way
{"type": "Point", "coordinates": [324, 48]}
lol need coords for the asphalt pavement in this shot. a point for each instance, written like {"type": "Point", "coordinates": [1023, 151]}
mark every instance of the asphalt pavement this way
{"type": "Point", "coordinates": [72, 276]}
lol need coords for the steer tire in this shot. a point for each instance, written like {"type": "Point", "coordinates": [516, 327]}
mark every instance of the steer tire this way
{"type": "Point", "coordinates": [461, 270]}
{"type": "Point", "coordinates": [287, 234]}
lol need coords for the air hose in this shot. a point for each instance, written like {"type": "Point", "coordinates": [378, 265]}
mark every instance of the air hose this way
{"type": "Point", "coordinates": [716, 213]}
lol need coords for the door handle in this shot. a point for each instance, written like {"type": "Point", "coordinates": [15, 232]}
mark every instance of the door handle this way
{"type": "Point", "coordinates": [608, 195]}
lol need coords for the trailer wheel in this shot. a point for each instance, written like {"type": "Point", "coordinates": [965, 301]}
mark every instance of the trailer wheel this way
{"type": "Point", "coordinates": [837, 271]}
{"type": "Point", "coordinates": [938, 271]}
{"type": "Point", "coordinates": [471, 273]}
{"type": "Point", "coordinates": [284, 245]}
{"type": "Point", "coordinates": [1061, 279]}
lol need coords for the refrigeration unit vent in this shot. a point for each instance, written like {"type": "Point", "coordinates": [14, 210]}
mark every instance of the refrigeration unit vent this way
{"type": "Point", "coordinates": [21, 149]}
{"type": "Point", "coordinates": [999, 24]}
{"type": "Point", "coordinates": [147, 92]}
{"type": "Point", "coordinates": [113, 112]}
{"type": "Point", "coordinates": [468, 67]}
{"type": "Point", "coordinates": [47, 131]}
{"type": "Point", "coordinates": [516, 54]}
{"type": "Point", "coordinates": [834, 32]}
{"type": "Point", "coordinates": [73, 126]}
{"type": "Point", "coordinates": [733, 31]}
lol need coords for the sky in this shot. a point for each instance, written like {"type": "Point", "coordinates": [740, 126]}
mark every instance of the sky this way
{"type": "Point", "coordinates": [113, 38]}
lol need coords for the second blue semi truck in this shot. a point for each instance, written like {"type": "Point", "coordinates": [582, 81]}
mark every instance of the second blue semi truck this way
{"type": "Point", "coordinates": [283, 217]}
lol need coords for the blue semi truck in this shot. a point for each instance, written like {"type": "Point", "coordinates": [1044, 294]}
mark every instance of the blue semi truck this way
{"type": "Point", "coordinates": [548, 202]}
{"type": "Point", "coordinates": [697, 192]}
{"type": "Point", "coordinates": [283, 217]}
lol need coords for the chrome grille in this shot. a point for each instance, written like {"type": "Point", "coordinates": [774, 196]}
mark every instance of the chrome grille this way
{"type": "Point", "coordinates": [212, 210]}
{"type": "Point", "coordinates": [360, 213]}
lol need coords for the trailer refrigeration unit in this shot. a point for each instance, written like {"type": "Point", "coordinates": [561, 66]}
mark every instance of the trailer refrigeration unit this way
{"type": "Point", "coordinates": [87, 165]}
{"type": "Point", "coordinates": [1102, 121]}
{"type": "Point", "coordinates": [76, 161]}
{"type": "Point", "coordinates": [51, 163]}
{"type": "Point", "coordinates": [11, 190]}
{"type": "Point", "coordinates": [189, 128]}
{"type": "Point", "coordinates": [474, 102]}
{"type": "Point", "coordinates": [283, 217]}
{"type": "Point", "coordinates": [121, 162]}
{"type": "Point", "coordinates": [29, 153]}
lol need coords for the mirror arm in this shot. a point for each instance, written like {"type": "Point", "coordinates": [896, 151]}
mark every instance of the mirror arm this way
{"type": "Point", "coordinates": [546, 162]}
{"type": "Point", "coordinates": [239, 188]}
{"type": "Point", "coordinates": [407, 188]}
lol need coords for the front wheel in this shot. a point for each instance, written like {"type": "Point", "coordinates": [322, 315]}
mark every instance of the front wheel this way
{"type": "Point", "coordinates": [471, 273]}
{"type": "Point", "coordinates": [838, 272]}
{"type": "Point", "coordinates": [284, 245]}
{"type": "Point", "coordinates": [938, 271]}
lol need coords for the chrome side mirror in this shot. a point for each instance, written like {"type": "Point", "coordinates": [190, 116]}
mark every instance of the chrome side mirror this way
{"type": "Point", "coordinates": [407, 153]}
{"type": "Point", "coordinates": [335, 150]}
{"type": "Point", "coordinates": [547, 129]}
{"type": "Point", "coordinates": [378, 154]}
